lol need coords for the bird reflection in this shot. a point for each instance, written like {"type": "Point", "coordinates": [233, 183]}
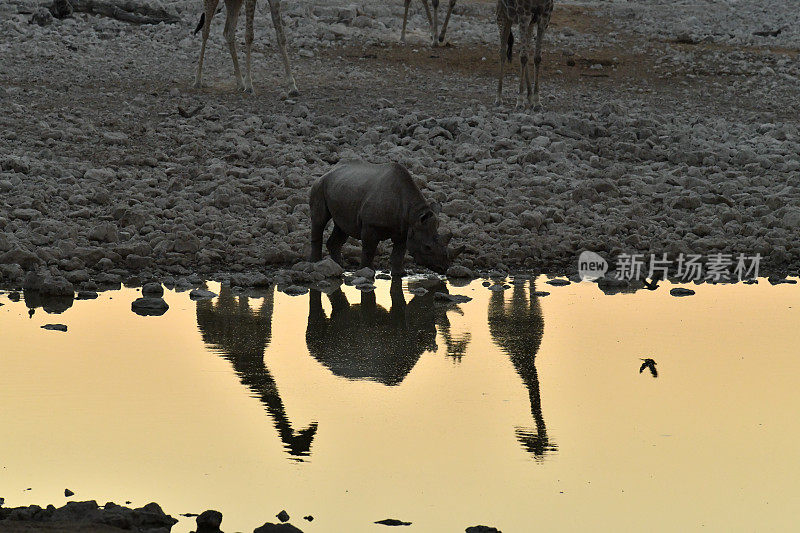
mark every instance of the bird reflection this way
{"type": "Point", "coordinates": [364, 341]}
{"type": "Point", "coordinates": [517, 327]}
{"type": "Point", "coordinates": [241, 335]}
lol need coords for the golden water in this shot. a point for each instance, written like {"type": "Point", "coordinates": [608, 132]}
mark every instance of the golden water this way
{"type": "Point", "coordinates": [527, 414]}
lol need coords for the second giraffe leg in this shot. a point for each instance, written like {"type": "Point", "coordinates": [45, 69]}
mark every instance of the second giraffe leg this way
{"type": "Point", "coordinates": [435, 27]}
{"type": "Point", "coordinates": [405, 21]}
{"type": "Point", "coordinates": [249, 11]}
{"type": "Point", "coordinates": [210, 9]}
{"type": "Point", "coordinates": [232, 17]}
{"type": "Point", "coordinates": [537, 60]}
{"type": "Point", "coordinates": [427, 11]}
{"type": "Point", "coordinates": [446, 20]}
{"type": "Point", "coordinates": [525, 31]}
{"type": "Point", "coordinates": [505, 53]}
{"type": "Point", "coordinates": [275, 11]}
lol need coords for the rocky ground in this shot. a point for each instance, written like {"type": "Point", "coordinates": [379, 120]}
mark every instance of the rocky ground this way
{"type": "Point", "coordinates": [667, 128]}
{"type": "Point", "coordinates": [89, 517]}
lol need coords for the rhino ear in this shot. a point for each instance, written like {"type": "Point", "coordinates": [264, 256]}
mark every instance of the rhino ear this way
{"type": "Point", "coordinates": [436, 207]}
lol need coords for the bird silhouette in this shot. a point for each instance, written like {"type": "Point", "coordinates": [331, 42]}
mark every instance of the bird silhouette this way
{"type": "Point", "coordinates": [650, 364]}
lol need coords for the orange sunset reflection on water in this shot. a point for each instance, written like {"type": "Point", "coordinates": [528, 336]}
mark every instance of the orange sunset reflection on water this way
{"type": "Point", "coordinates": [510, 410]}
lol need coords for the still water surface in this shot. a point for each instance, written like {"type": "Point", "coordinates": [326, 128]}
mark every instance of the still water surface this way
{"type": "Point", "coordinates": [522, 412]}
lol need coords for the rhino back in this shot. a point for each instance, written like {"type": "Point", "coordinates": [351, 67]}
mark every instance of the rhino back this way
{"type": "Point", "coordinates": [359, 194]}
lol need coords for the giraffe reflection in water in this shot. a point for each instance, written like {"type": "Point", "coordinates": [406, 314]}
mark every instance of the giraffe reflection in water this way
{"type": "Point", "coordinates": [364, 341]}
{"type": "Point", "coordinates": [516, 328]}
{"type": "Point", "coordinates": [240, 335]}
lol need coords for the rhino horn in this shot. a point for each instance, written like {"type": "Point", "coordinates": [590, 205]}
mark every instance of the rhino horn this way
{"type": "Point", "coordinates": [445, 238]}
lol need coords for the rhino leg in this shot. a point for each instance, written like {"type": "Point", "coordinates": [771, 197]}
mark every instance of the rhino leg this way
{"type": "Point", "coordinates": [369, 245]}
{"type": "Point", "coordinates": [317, 228]}
{"type": "Point", "coordinates": [335, 243]}
{"type": "Point", "coordinates": [319, 219]}
{"type": "Point", "coordinates": [397, 257]}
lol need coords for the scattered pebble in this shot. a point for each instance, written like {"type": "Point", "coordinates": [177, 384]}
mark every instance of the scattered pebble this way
{"type": "Point", "coordinates": [295, 290]}
{"type": "Point", "coordinates": [202, 294]}
{"type": "Point", "coordinates": [392, 522]}
{"type": "Point", "coordinates": [146, 306]}
{"type": "Point", "coordinates": [681, 291]}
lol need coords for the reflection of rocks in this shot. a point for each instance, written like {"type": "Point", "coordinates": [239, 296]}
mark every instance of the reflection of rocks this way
{"type": "Point", "coordinates": [365, 341]}
{"type": "Point", "coordinates": [86, 516]}
{"type": "Point", "coordinates": [240, 335]}
{"type": "Point", "coordinates": [517, 327]}
{"type": "Point", "coordinates": [55, 327]}
{"type": "Point", "coordinates": [153, 290]}
{"type": "Point", "coordinates": [269, 527]}
{"type": "Point", "coordinates": [50, 304]}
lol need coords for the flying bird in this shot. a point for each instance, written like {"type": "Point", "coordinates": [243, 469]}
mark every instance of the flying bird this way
{"type": "Point", "coordinates": [649, 364]}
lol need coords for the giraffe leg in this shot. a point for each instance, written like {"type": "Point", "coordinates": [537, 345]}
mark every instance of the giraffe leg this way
{"type": "Point", "coordinates": [525, 31]}
{"type": "Point", "coordinates": [446, 20]}
{"type": "Point", "coordinates": [435, 25]}
{"type": "Point", "coordinates": [537, 60]}
{"type": "Point", "coordinates": [232, 17]}
{"type": "Point", "coordinates": [275, 11]}
{"type": "Point", "coordinates": [210, 9]}
{"type": "Point", "coordinates": [427, 11]}
{"type": "Point", "coordinates": [405, 21]}
{"type": "Point", "coordinates": [249, 11]}
{"type": "Point", "coordinates": [505, 53]}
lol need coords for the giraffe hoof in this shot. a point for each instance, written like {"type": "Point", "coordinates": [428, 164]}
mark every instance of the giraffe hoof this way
{"type": "Point", "coordinates": [198, 84]}
{"type": "Point", "coordinates": [538, 107]}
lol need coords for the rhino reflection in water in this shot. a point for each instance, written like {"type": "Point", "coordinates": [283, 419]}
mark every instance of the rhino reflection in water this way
{"type": "Point", "coordinates": [241, 335]}
{"type": "Point", "coordinates": [517, 328]}
{"type": "Point", "coordinates": [365, 341]}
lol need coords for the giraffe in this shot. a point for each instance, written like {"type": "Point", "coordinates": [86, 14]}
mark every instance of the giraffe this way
{"type": "Point", "coordinates": [436, 37]}
{"type": "Point", "coordinates": [232, 16]}
{"type": "Point", "coordinates": [525, 13]}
